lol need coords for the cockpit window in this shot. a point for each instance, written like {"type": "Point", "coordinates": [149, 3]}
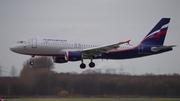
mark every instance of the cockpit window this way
{"type": "Point", "coordinates": [21, 42]}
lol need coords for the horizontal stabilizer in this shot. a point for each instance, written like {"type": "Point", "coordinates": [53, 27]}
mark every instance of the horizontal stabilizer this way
{"type": "Point", "coordinates": [155, 49]}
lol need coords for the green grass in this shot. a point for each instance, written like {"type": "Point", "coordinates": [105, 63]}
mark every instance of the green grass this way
{"type": "Point", "coordinates": [94, 99]}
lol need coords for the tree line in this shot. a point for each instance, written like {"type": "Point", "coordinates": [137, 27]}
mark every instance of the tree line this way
{"type": "Point", "coordinates": [44, 81]}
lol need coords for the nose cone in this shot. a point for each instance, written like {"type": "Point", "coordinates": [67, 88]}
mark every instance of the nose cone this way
{"type": "Point", "coordinates": [13, 48]}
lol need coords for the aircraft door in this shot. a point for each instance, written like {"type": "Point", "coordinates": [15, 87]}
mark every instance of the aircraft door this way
{"type": "Point", "coordinates": [34, 43]}
{"type": "Point", "coordinates": [79, 46]}
{"type": "Point", "coordinates": [75, 45]}
{"type": "Point", "coordinates": [140, 49]}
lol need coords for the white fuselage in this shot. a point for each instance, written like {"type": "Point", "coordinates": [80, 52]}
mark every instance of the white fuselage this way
{"type": "Point", "coordinates": [55, 47]}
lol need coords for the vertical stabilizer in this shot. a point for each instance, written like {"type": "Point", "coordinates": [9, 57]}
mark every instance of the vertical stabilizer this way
{"type": "Point", "coordinates": [157, 35]}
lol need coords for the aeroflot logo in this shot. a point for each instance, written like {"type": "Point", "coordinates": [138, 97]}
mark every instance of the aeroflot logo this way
{"type": "Point", "coordinates": [55, 40]}
{"type": "Point", "coordinates": [162, 30]}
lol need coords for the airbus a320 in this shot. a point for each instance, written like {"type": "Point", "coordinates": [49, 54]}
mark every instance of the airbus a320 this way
{"type": "Point", "coordinates": [64, 50]}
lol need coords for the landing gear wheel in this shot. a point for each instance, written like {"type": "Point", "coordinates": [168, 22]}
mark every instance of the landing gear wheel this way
{"type": "Point", "coordinates": [91, 64]}
{"type": "Point", "coordinates": [31, 63]}
{"type": "Point", "coordinates": [82, 65]}
{"type": "Point", "coordinates": [32, 60]}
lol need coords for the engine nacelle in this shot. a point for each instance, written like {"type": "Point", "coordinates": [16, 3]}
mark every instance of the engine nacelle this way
{"type": "Point", "coordinates": [73, 56]}
{"type": "Point", "coordinates": [59, 59]}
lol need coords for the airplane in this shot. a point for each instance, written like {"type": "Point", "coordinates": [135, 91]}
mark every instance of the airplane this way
{"type": "Point", "coordinates": [64, 50]}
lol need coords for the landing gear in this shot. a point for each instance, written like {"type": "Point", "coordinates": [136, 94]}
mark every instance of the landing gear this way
{"type": "Point", "coordinates": [31, 63]}
{"type": "Point", "coordinates": [32, 60]}
{"type": "Point", "coordinates": [83, 66]}
{"type": "Point", "coordinates": [91, 64]}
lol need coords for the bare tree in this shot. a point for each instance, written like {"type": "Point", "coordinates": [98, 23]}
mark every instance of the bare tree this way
{"type": "Point", "coordinates": [13, 72]}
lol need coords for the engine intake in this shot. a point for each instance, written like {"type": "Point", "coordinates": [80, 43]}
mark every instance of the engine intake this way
{"type": "Point", "coordinates": [59, 59]}
{"type": "Point", "coordinates": [73, 56]}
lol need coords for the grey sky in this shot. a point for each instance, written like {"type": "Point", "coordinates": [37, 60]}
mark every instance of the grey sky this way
{"type": "Point", "coordinates": [115, 20]}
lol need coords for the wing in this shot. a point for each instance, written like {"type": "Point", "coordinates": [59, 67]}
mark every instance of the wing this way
{"type": "Point", "coordinates": [96, 51]}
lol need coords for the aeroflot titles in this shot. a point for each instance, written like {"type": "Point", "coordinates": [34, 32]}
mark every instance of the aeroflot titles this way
{"type": "Point", "coordinates": [55, 40]}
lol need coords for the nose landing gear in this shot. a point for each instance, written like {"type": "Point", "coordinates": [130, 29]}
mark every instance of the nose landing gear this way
{"type": "Point", "coordinates": [32, 60]}
{"type": "Point", "coordinates": [31, 63]}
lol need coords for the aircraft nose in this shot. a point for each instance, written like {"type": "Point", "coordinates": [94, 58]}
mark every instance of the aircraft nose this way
{"type": "Point", "coordinates": [13, 48]}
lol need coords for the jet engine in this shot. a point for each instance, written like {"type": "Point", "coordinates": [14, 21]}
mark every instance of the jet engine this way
{"type": "Point", "coordinates": [73, 56]}
{"type": "Point", "coordinates": [59, 59]}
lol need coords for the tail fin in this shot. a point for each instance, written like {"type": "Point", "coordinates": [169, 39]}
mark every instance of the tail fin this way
{"type": "Point", "coordinates": [157, 35]}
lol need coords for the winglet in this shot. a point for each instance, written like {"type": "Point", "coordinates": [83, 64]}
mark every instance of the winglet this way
{"type": "Point", "coordinates": [128, 41]}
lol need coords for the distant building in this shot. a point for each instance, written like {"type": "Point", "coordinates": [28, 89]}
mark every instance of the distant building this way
{"type": "Point", "coordinates": [110, 71]}
{"type": "Point", "coordinates": [98, 71]}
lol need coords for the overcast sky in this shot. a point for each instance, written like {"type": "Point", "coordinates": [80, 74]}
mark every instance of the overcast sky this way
{"type": "Point", "coordinates": [114, 20]}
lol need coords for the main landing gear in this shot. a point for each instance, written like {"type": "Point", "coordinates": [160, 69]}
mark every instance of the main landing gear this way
{"type": "Point", "coordinates": [91, 64]}
{"type": "Point", "coordinates": [82, 65]}
{"type": "Point", "coordinates": [32, 60]}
